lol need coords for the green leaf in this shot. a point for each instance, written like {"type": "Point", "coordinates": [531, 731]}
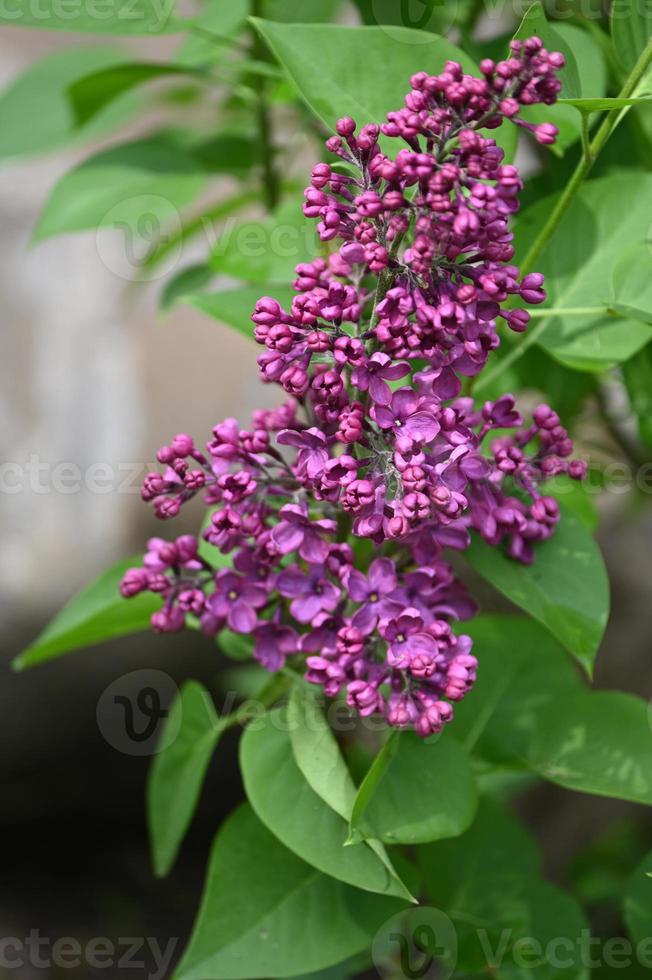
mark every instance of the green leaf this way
{"type": "Point", "coordinates": [631, 29]}
{"type": "Point", "coordinates": [488, 882]}
{"type": "Point", "coordinates": [235, 306]}
{"type": "Point", "coordinates": [638, 902]}
{"type": "Point", "coordinates": [590, 239]}
{"type": "Point", "coordinates": [135, 187]}
{"type": "Point", "coordinates": [496, 847]}
{"type": "Point", "coordinates": [213, 33]}
{"type": "Point", "coordinates": [597, 742]}
{"type": "Point", "coordinates": [265, 913]}
{"type": "Point", "coordinates": [93, 92]}
{"type": "Point", "coordinates": [97, 613]}
{"type": "Point", "coordinates": [604, 105]}
{"type": "Point", "coordinates": [435, 16]}
{"type": "Point", "coordinates": [287, 11]}
{"type": "Point", "coordinates": [35, 112]}
{"type": "Point", "coordinates": [426, 792]}
{"type": "Point", "coordinates": [332, 71]}
{"type": "Point", "coordinates": [300, 819]}
{"type": "Point", "coordinates": [317, 753]}
{"type": "Point", "coordinates": [566, 587]}
{"type": "Point", "coordinates": [522, 672]}
{"type": "Point", "coordinates": [632, 283]}
{"type": "Point", "coordinates": [370, 783]}
{"type": "Point", "coordinates": [118, 17]}
{"type": "Point", "coordinates": [177, 772]}
{"type": "Point", "coordinates": [266, 250]}
{"type": "Point", "coordinates": [185, 282]}
{"type": "Point", "coordinates": [228, 153]}
{"type": "Point", "coordinates": [637, 373]}
{"type": "Point", "coordinates": [235, 646]}
{"type": "Point", "coordinates": [536, 22]}
{"type": "Point", "coordinates": [579, 497]}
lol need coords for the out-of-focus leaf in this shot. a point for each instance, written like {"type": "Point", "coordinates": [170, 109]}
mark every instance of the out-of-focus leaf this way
{"type": "Point", "coordinates": [291, 11]}
{"type": "Point", "coordinates": [228, 153]}
{"type": "Point", "coordinates": [235, 646]}
{"type": "Point", "coordinates": [590, 239]}
{"type": "Point", "coordinates": [95, 614]}
{"type": "Point", "coordinates": [265, 250]}
{"type": "Point", "coordinates": [213, 32]}
{"type": "Point", "coordinates": [187, 281]}
{"type": "Point", "coordinates": [435, 16]}
{"type": "Point", "coordinates": [631, 30]}
{"type": "Point", "coordinates": [566, 588]}
{"type": "Point", "coordinates": [146, 182]}
{"type": "Point", "coordinates": [35, 112]}
{"type": "Point", "coordinates": [637, 373]}
{"type": "Point", "coordinates": [235, 306]}
{"type": "Point", "coordinates": [96, 90]}
{"type": "Point", "coordinates": [178, 771]}
{"type": "Point", "coordinates": [507, 919]}
{"type": "Point", "coordinates": [638, 902]}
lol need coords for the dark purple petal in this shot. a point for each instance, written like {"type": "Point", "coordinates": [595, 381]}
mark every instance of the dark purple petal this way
{"type": "Point", "coordinates": [382, 575]}
{"type": "Point", "coordinates": [287, 537]}
{"type": "Point", "coordinates": [292, 583]}
{"type": "Point", "coordinates": [313, 549]}
{"type": "Point", "coordinates": [241, 617]}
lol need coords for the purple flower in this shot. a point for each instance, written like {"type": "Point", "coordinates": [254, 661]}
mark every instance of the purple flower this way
{"type": "Point", "coordinates": [313, 450]}
{"type": "Point", "coordinates": [273, 644]}
{"type": "Point", "coordinates": [410, 647]}
{"type": "Point", "coordinates": [408, 421]}
{"type": "Point", "coordinates": [236, 598]}
{"type": "Point", "coordinates": [311, 594]}
{"type": "Point", "coordinates": [423, 269]}
{"type": "Point", "coordinates": [374, 592]}
{"type": "Point", "coordinates": [297, 532]}
{"type": "Point", "coordinates": [374, 375]}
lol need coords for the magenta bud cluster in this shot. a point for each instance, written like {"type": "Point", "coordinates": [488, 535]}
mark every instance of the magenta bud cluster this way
{"type": "Point", "coordinates": [329, 518]}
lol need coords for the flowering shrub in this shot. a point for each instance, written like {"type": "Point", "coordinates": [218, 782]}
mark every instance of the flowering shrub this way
{"type": "Point", "coordinates": [383, 443]}
{"type": "Point", "coordinates": [339, 528]}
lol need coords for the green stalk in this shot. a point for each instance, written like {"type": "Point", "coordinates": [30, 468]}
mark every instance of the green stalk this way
{"type": "Point", "coordinates": [259, 52]}
{"type": "Point", "coordinates": [590, 152]}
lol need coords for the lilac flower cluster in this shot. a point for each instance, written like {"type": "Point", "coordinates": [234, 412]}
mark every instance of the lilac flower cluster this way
{"type": "Point", "coordinates": [377, 444]}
